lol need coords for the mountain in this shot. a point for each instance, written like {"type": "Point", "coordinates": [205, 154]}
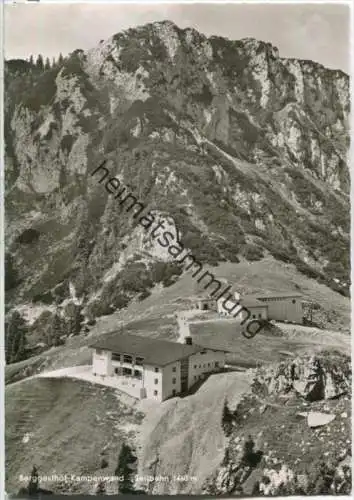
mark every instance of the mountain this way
{"type": "Point", "coordinates": [242, 153]}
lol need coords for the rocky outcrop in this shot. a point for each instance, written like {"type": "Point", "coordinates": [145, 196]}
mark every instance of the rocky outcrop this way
{"type": "Point", "coordinates": [307, 448]}
{"type": "Point", "coordinates": [313, 378]}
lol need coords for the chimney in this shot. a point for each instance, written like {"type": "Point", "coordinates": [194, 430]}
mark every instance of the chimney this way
{"type": "Point", "coordinates": [188, 340]}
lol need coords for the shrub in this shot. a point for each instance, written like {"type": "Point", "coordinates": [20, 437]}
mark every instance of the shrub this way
{"type": "Point", "coordinates": [43, 91]}
{"type": "Point", "coordinates": [28, 236]}
{"type": "Point", "coordinates": [67, 143]}
{"type": "Point", "coordinates": [125, 461]}
{"type": "Point", "coordinates": [11, 275]}
{"type": "Point", "coordinates": [163, 272]}
{"type": "Point", "coordinates": [104, 463]}
{"type": "Point", "coordinates": [253, 252]}
{"type": "Point", "coordinates": [227, 419]}
{"type": "Point", "coordinates": [16, 341]}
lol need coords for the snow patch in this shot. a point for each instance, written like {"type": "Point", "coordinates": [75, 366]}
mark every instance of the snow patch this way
{"type": "Point", "coordinates": [73, 295]}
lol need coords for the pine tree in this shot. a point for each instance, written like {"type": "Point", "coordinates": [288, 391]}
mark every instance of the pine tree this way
{"type": "Point", "coordinates": [47, 64]}
{"type": "Point", "coordinates": [10, 272]}
{"type": "Point", "coordinates": [248, 451]}
{"type": "Point", "coordinates": [101, 488]}
{"type": "Point", "coordinates": [74, 320]}
{"type": "Point", "coordinates": [125, 460]}
{"type": "Point", "coordinates": [227, 419]}
{"type": "Point", "coordinates": [16, 338]}
{"type": "Point", "coordinates": [33, 483]}
{"type": "Point", "coordinates": [53, 62]}
{"type": "Point", "coordinates": [61, 59]}
{"type": "Point", "coordinates": [55, 331]}
{"type": "Point", "coordinates": [31, 61]}
{"type": "Point", "coordinates": [39, 62]}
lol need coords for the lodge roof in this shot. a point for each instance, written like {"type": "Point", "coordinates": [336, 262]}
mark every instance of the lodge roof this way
{"type": "Point", "coordinates": [154, 351]}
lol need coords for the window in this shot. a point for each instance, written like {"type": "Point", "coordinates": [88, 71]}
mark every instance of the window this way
{"type": "Point", "coordinates": [259, 315]}
{"type": "Point", "coordinates": [115, 356]}
{"type": "Point", "coordinates": [216, 364]}
{"type": "Point", "coordinates": [209, 365]}
{"type": "Point", "coordinates": [200, 366]}
{"type": "Point", "coordinates": [116, 371]}
{"type": "Point", "coordinates": [195, 367]}
{"type": "Point", "coordinates": [139, 361]}
{"type": "Point", "coordinates": [253, 315]}
{"type": "Point", "coordinates": [156, 370]}
{"type": "Point", "coordinates": [174, 392]}
{"type": "Point", "coordinates": [293, 301]}
{"type": "Point", "coordinates": [127, 358]}
{"type": "Point", "coordinates": [173, 381]}
{"type": "Point", "coordinates": [155, 393]}
{"type": "Point", "coordinates": [156, 381]}
{"type": "Point", "coordinates": [98, 351]}
{"type": "Point", "coordinates": [195, 377]}
{"type": "Point", "coordinates": [174, 369]}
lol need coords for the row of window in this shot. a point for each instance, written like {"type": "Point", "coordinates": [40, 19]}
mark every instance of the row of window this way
{"type": "Point", "coordinates": [277, 299]}
{"type": "Point", "coordinates": [216, 364]}
{"type": "Point", "coordinates": [127, 359]}
{"type": "Point", "coordinates": [128, 372]}
{"type": "Point", "coordinates": [174, 392]}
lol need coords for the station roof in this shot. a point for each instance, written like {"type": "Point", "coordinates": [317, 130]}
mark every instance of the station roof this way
{"type": "Point", "coordinates": [249, 301]}
{"type": "Point", "coordinates": [278, 295]}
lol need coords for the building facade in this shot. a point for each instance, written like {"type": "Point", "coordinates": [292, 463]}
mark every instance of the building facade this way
{"type": "Point", "coordinates": [283, 306]}
{"type": "Point", "coordinates": [205, 304]}
{"type": "Point", "coordinates": [151, 368]}
{"type": "Point", "coordinates": [253, 309]}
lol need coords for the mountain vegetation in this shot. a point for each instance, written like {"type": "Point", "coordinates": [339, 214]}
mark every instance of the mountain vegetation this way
{"type": "Point", "coordinates": [243, 152]}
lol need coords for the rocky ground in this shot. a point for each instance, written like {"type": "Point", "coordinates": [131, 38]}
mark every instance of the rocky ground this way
{"type": "Point", "coordinates": [298, 416]}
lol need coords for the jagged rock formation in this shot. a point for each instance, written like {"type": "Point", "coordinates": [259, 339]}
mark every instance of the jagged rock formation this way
{"type": "Point", "coordinates": [287, 455]}
{"type": "Point", "coordinates": [314, 378]}
{"type": "Point", "coordinates": [244, 152]}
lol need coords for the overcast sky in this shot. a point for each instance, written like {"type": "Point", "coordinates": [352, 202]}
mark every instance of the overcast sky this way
{"type": "Point", "coordinates": [306, 31]}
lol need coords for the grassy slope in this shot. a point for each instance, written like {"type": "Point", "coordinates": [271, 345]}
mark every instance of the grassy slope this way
{"type": "Point", "coordinates": [70, 423]}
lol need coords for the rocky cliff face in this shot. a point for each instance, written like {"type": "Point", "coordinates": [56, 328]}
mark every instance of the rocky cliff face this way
{"type": "Point", "coordinates": [241, 151]}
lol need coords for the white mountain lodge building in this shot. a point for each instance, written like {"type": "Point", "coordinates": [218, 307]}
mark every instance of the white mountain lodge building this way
{"type": "Point", "coordinates": [151, 368]}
